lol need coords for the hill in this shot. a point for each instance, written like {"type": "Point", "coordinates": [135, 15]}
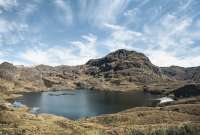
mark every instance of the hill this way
{"type": "Point", "coordinates": [121, 70]}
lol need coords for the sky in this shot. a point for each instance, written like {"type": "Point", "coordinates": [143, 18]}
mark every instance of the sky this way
{"type": "Point", "coordinates": [70, 32]}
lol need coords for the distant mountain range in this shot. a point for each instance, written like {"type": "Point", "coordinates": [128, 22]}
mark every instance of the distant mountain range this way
{"type": "Point", "coordinates": [120, 70]}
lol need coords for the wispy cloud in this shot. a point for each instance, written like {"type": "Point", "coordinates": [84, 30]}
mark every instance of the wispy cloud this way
{"type": "Point", "coordinates": [28, 9]}
{"type": "Point", "coordinates": [172, 38]}
{"type": "Point", "coordinates": [169, 41]}
{"type": "Point", "coordinates": [51, 56]}
{"type": "Point", "coordinates": [11, 32]}
{"type": "Point", "coordinates": [113, 26]}
{"type": "Point", "coordinates": [86, 49]}
{"type": "Point", "coordinates": [3, 53]}
{"type": "Point", "coordinates": [167, 31]}
{"type": "Point", "coordinates": [102, 11]}
{"type": "Point", "coordinates": [93, 12]}
{"type": "Point", "coordinates": [121, 37]}
{"type": "Point", "coordinates": [107, 11]}
{"type": "Point", "coordinates": [7, 4]}
{"type": "Point", "coordinates": [66, 11]}
{"type": "Point", "coordinates": [78, 53]}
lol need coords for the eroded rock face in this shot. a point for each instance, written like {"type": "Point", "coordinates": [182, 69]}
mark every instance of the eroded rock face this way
{"type": "Point", "coordinates": [122, 68]}
{"type": "Point", "coordinates": [120, 60]}
{"type": "Point", "coordinates": [123, 63]}
{"type": "Point", "coordinates": [118, 68]}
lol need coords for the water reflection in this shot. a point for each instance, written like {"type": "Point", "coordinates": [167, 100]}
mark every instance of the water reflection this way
{"type": "Point", "coordinates": [85, 103]}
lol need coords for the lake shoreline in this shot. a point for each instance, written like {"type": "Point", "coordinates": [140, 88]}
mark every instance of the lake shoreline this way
{"type": "Point", "coordinates": [128, 98]}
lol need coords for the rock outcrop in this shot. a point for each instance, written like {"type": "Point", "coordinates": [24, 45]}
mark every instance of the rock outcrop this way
{"type": "Point", "coordinates": [119, 70]}
{"type": "Point", "coordinates": [130, 65]}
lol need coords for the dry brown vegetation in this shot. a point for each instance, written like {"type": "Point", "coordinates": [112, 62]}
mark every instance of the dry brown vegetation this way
{"type": "Point", "coordinates": [121, 70]}
{"type": "Point", "coordinates": [182, 119]}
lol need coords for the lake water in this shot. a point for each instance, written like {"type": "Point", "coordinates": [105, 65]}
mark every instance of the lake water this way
{"type": "Point", "coordinates": [85, 103]}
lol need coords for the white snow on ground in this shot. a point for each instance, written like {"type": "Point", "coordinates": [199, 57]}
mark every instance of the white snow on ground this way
{"type": "Point", "coordinates": [165, 99]}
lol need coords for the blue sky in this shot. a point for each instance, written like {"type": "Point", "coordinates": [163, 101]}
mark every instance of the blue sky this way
{"type": "Point", "coordinates": [71, 32]}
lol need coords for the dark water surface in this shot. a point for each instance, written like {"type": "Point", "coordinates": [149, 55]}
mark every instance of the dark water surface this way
{"type": "Point", "coordinates": [85, 103]}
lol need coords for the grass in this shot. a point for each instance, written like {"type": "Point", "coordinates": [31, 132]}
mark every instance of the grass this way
{"type": "Point", "coordinates": [184, 129]}
{"type": "Point", "coordinates": [18, 122]}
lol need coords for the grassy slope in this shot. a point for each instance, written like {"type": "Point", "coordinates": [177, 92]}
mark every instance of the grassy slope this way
{"type": "Point", "coordinates": [183, 119]}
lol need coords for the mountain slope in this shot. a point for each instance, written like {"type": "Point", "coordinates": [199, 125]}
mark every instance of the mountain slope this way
{"type": "Point", "coordinates": [120, 70]}
{"type": "Point", "coordinates": [130, 65]}
{"type": "Point", "coordinates": [180, 73]}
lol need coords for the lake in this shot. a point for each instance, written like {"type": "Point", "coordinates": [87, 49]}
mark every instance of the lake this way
{"type": "Point", "coordinates": [86, 103]}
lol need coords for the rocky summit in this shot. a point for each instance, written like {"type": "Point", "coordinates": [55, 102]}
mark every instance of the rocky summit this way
{"type": "Point", "coordinates": [122, 70]}
{"type": "Point", "coordinates": [129, 65]}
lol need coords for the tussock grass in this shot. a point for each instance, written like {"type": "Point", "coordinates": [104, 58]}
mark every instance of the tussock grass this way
{"type": "Point", "coordinates": [183, 129]}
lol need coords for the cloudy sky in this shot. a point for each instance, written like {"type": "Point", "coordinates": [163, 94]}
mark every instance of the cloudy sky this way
{"type": "Point", "coordinates": [71, 32]}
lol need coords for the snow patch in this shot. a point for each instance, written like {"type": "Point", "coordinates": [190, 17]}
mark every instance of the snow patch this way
{"type": "Point", "coordinates": [165, 100]}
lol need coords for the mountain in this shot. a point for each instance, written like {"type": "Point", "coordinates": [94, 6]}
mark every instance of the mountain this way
{"type": "Point", "coordinates": [124, 64]}
{"type": "Point", "coordinates": [122, 70]}
{"type": "Point", "coordinates": [180, 73]}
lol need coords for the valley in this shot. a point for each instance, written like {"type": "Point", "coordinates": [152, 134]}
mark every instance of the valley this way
{"type": "Point", "coordinates": [120, 71]}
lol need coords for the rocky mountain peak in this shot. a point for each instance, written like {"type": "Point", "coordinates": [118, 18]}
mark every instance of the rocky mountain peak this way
{"type": "Point", "coordinates": [7, 65]}
{"type": "Point", "coordinates": [125, 54]}
{"type": "Point", "coordinates": [120, 55]}
{"type": "Point", "coordinates": [122, 63]}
